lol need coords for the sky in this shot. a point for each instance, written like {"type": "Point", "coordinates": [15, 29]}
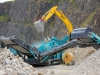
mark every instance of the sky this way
{"type": "Point", "coordinates": [2, 1]}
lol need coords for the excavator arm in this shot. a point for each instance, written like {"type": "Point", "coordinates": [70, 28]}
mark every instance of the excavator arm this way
{"type": "Point", "coordinates": [54, 11]}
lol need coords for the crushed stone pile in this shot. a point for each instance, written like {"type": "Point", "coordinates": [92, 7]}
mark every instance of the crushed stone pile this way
{"type": "Point", "coordinates": [90, 66]}
{"type": "Point", "coordinates": [14, 65]}
{"type": "Point", "coordinates": [80, 54]}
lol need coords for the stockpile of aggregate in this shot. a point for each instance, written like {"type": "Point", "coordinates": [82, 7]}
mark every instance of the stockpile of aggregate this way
{"type": "Point", "coordinates": [90, 66]}
{"type": "Point", "coordinates": [14, 65]}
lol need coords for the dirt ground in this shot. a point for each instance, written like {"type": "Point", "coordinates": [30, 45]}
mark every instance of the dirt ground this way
{"type": "Point", "coordinates": [80, 54]}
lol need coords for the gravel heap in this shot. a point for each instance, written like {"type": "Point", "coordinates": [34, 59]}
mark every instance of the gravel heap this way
{"type": "Point", "coordinates": [90, 66]}
{"type": "Point", "coordinates": [14, 65]}
{"type": "Point", "coordinates": [80, 54]}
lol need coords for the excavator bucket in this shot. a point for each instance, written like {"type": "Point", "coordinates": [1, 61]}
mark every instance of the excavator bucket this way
{"type": "Point", "coordinates": [39, 25]}
{"type": "Point", "coordinates": [81, 33]}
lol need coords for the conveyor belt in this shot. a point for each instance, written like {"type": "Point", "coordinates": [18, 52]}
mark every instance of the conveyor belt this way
{"type": "Point", "coordinates": [18, 45]}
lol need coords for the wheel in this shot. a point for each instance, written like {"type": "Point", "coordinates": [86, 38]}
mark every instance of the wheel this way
{"type": "Point", "coordinates": [67, 57]}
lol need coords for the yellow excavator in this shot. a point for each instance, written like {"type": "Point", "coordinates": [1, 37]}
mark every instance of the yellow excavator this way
{"type": "Point", "coordinates": [39, 25]}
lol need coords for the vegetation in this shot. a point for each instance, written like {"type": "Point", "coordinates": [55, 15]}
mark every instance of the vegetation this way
{"type": "Point", "coordinates": [4, 18]}
{"type": "Point", "coordinates": [74, 3]}
{"type": "Point", "coordinates": [88, 19]}
{"type": "Point", "coordinates": [48, 0]}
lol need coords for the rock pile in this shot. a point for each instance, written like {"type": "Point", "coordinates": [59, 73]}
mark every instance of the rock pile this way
{"type": "Point", "coordinates": [90, 66]}
{"type": "Point", "coordinates": [14, 65]}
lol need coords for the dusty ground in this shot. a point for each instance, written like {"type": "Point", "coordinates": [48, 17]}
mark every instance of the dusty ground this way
{"type": "Point", "coordinates": [80, 54]}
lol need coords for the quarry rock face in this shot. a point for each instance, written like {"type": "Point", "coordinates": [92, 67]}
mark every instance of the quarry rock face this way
{"type": "Point", "coordinates": [23, 13]}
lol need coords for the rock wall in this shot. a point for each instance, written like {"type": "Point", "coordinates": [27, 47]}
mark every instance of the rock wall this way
{"type": "Point", "coordinates": [28, 11]}
{"type": "Point", "coordinates": [96, 22]}
{"type": "Point", "coordinates": [23, 14]}
{"type": "Point", "coordinates": [25, 32]}
{"type": "Point", "coordinates": [4, 8]}
{"type": "Point", "coordinates": [80, 12]}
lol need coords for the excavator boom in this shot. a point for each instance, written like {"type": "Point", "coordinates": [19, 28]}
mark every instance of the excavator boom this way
{"type": "Point", "coordinates": [39, 25]}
